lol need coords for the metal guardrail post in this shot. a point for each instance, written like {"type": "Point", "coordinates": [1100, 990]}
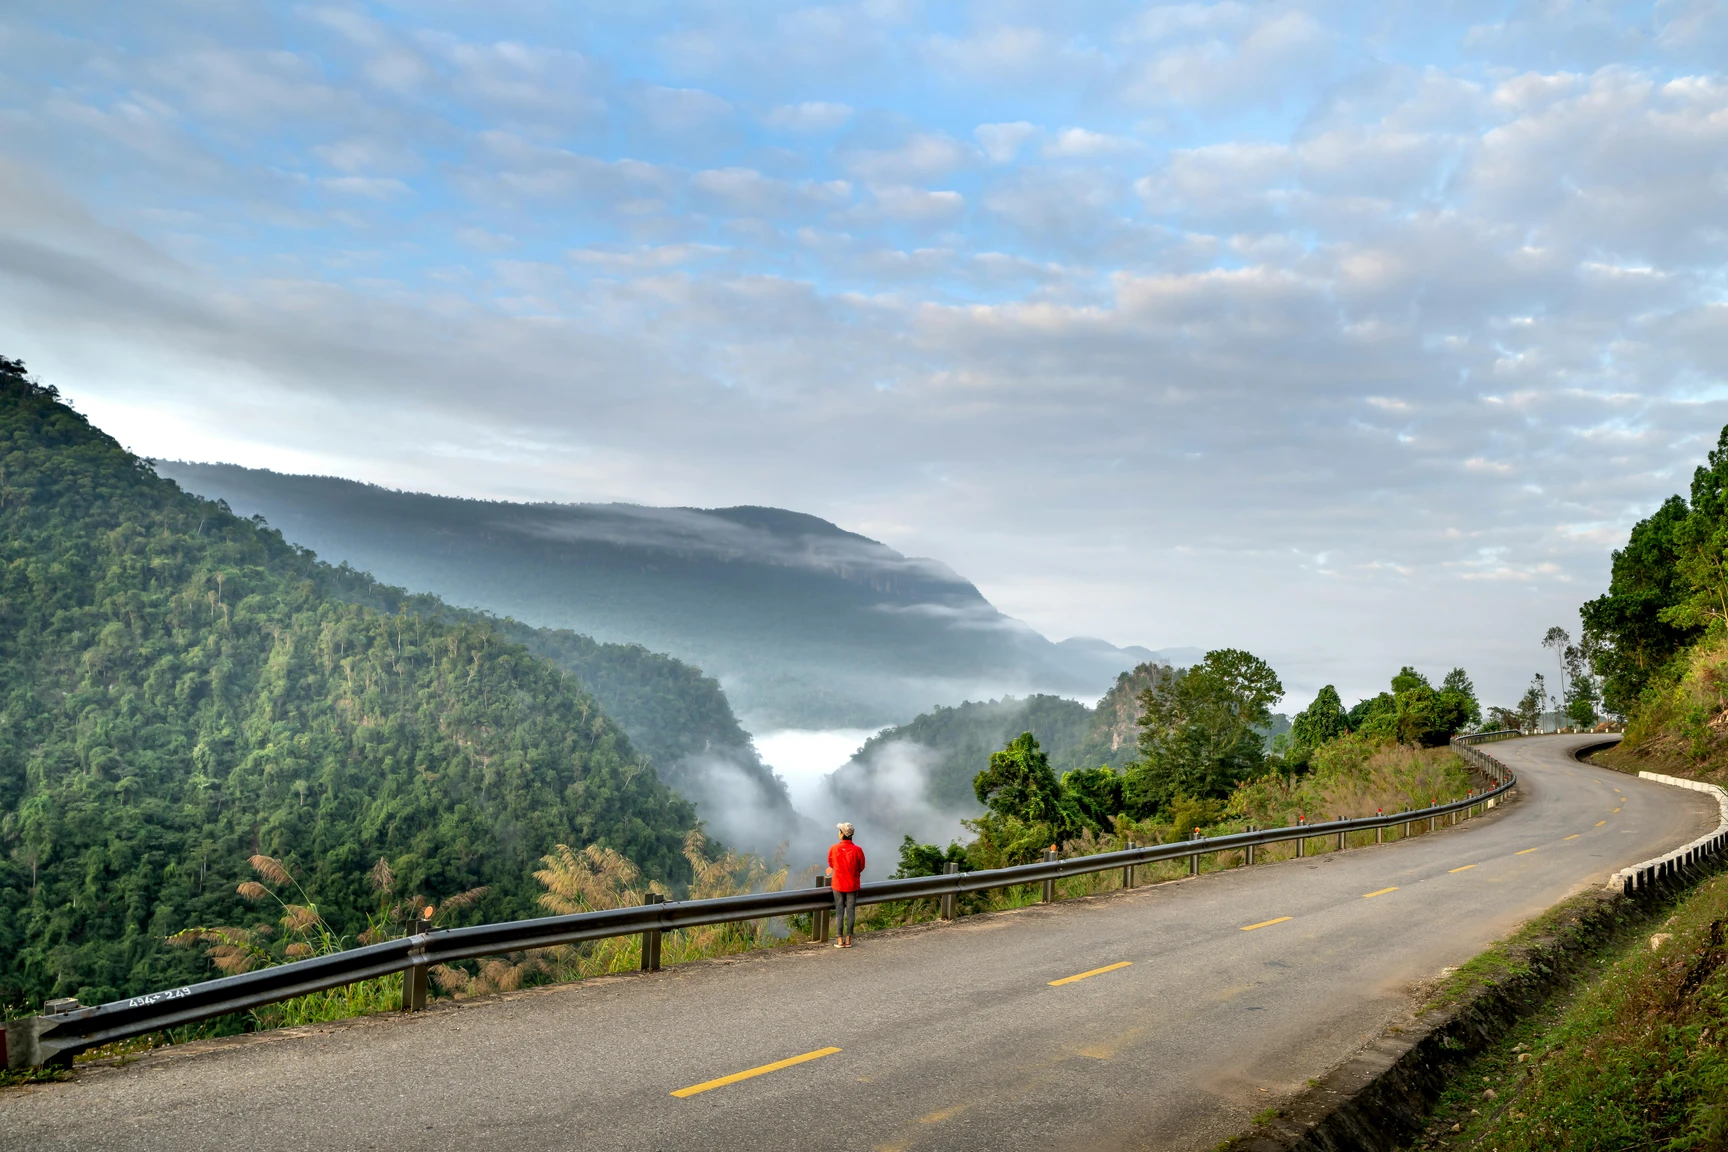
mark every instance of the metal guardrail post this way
{"type": "Point", "coordinates": [1248, 852]}
{"type": "Point", "coordinates": [1340, 836]}
{"type": "Point", "coordinates": [1301, 841]}
{"type": "Point", "coordinates": [1194, 860]}
{"type": "Point", "coordinates": [651, 939]}
{"type": "Point", "coordinates": [819, 918]}
{"type": "Point", "coordinates": [1380, 832]}
{"type": "Point", "coordinates": [950, 900]}
{"type": "Point", "coordinates": [1128, 869]}
{"type": "Point", "coordinates": [1050, 885]}
{"type": "Point", "coordinates": [414, 980]}
{"type": "Point", "coordinates": [21, 1043]}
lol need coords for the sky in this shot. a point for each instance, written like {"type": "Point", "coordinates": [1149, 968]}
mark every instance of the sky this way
{"type": "Point", "coordinates": [1354, 334]}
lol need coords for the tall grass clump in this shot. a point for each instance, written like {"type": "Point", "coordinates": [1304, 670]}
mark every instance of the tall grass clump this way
{"type": "Point", "coordinates": [300, 931]}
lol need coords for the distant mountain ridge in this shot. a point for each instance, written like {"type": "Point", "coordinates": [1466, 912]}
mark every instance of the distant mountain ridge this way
{"type": "Point", "coordinates": [803, 623]}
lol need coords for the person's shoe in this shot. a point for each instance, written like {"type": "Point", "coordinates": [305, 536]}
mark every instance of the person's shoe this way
{"type": "Point", "coordinates": [839, 943]}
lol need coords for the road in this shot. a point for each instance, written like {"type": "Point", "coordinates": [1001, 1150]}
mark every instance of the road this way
{"type": "Point", "coordinates": [945, 1037]}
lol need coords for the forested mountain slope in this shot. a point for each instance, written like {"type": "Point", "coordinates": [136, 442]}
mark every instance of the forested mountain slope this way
{"type": "Point", "coordinates": [805, 624]}
{"type": "Point", "coordinates": [182, 689]}
{"type": "Point", "coordinates": [673, 714]}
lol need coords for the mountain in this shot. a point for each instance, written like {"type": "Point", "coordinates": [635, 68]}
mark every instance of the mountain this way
{"type": "Point", "coordinates": [180, 688]}
{"type": "Point", "coordinates": [803, 623]}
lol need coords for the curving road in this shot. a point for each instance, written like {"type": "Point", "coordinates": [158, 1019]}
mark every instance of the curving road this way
{"type": "Point", "coordinates": [940, 1037]}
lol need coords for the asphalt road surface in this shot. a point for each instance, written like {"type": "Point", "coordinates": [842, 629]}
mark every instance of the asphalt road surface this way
{"type": "Point", "coordinates": [1204, 1001]}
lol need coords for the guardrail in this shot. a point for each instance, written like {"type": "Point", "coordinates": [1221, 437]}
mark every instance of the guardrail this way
{"type": "Point", "coordinates": [55, 1037]}
{"type": "Point", "coordinates": [1667, 866]}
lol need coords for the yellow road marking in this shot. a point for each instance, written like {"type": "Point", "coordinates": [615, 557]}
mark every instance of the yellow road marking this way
{"type": "Point", "coordinates": [1599, 823]}
{"type": "Point", "coordinates": [1381, 892]}
{"type": "Point", "coordinates": [1574, 836]}
{"type": "Point", "coordinates": [1466, 868]}
{"type": "Point", "coordinates": [943, 1114]}
{"type": "Point", "coordinates": [708, 1085]}
{"type": "Point", "coordinates": [1094, 972]}
{"type": "Point", "coordinates": [1526, 852]}
{"type": "Point", "coordinates": [1265, 923]}
{"type": "Point", "coordinates": [1615, 810]}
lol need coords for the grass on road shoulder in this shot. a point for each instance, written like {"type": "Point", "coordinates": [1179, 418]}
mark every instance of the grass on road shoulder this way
{"type": "Point", "coordinates": [1633, 1058]}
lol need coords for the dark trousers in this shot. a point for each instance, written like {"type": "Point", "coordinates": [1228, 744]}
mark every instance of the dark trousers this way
{"type": "Point", "coordinates": [845, 912]}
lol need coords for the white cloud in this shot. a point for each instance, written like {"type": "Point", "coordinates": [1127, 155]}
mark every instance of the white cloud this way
{"type": "Point", "coordinates": [1079, 143]}
{"type": "Point", "coordinates": [918, 204]}
{"type": "Point", "coordinates": [1002, 142]}
{"type": "Point", "coordinates": [683, 109]}
{"type": "Point", "coordinates": [923, 156]}
{"type": "Point", "coordinates": [808, 116]}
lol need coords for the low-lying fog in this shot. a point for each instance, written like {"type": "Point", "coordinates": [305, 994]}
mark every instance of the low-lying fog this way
{"type": "Point", "coordinates": [885, 795]}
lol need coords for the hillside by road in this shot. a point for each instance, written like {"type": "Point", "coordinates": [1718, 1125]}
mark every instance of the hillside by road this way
{"type": "Point", "coordinates": [1201, 1002]}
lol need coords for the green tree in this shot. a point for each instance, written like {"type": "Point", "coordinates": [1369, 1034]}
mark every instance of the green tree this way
{"type": "Point", "coordinates": [1020, 783]}
{"type": "Point", "coordinates": [1462, 693]}
{"type": "Point", "coordinates": [1533, 703]}
{"type": "Point", "coordinates": [1197, 731]}
{"type": "Point", "coordinates": [1630, 630]}
{"type": "Point", "coordinates": [1095, 793]}
{"type": "Point", "coordinates": [1322, 720]}
{"type": "Point", "coordinates": [928, 860]}
{"type": "Point", "coordinates": [1581, 690]}
{"type": "Point", "coordinates": [1414, 713]}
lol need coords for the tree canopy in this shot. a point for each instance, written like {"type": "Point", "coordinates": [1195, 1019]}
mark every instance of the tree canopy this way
{"type": "Point", "coordinates": [1197, 730]}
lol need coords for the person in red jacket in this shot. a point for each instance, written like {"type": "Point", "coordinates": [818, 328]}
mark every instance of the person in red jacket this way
{"type": "Point", "coordinates": [845, 869]}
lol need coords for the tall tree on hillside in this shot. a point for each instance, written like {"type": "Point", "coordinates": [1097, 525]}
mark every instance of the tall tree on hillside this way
{"type": "Point", "coordinates": [1020, 783]}
{"type": "Point", "coordinates": [1630, 630]}
{"type": "Point", "coordinates": [1320, 721]}
{"type": "Point", "coordinates": [1458, 683]}
{"type": "Point", "coordinates": [1560, 640]}
{"type": "Point", "coordinates": [1414, 713]}
{"type": "Point", "coordinates": [1533, 703]}
{"type": "Point", "coordinates": [1197, 730]}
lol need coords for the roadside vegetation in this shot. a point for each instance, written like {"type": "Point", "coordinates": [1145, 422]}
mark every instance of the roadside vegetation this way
{"type": "Point", "coordinates": [1634, 1057]}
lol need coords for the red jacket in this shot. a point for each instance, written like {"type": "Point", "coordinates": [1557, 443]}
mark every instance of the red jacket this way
{"type": "Point", "coordinates": [847, 861]}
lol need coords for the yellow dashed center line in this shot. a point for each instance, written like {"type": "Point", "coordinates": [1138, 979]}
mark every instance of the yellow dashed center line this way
{"type": "Point", "coordinates": [1615, 810]}
{"type": "Point", "coordinates": [1574, 836]}
{"type": "Point", "coordinates": [1266, 923]}
{"type": "Point", "coordinates": [1599, 823]}
{"type": "Point", "coordinates": [708, 1085]}
{"type": "Point", "coordinates": [1526, 852]}
{"type": "Point", "coordinates": [1094, 972]}
{"type": "Point", "coordinates": [1466, 868]}
{"type": "Point", "coordinates": [1381, 892]}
